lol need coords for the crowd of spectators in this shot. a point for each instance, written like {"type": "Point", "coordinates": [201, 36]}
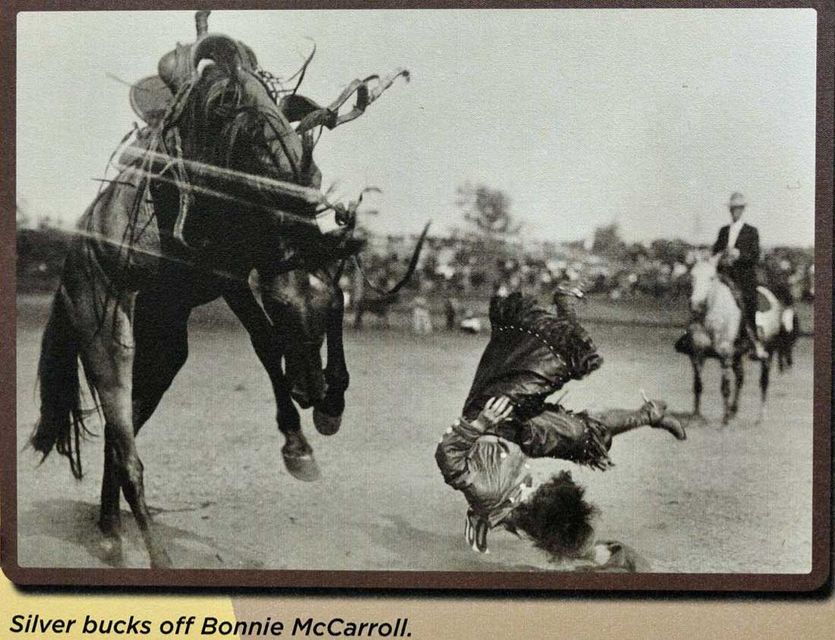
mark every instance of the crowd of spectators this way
{"type": "Point", "coordinates": [457, 275]}
{"type": "Point", "coordinates": [466, 269]}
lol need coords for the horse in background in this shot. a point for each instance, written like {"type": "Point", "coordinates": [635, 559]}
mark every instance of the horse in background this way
{"type": "Point", "coordinates": [379, 307]}
{"type": "Point", "coordinates": [788, 330]}
{"type": "Point", "coordinates": [715, 331]}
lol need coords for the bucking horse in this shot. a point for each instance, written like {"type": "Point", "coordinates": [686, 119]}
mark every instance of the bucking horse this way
{"type": "Point", "coordinates": [220, 185]}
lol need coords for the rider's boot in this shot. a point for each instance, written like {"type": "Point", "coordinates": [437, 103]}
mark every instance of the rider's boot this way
{"type": "Point", "coordinates": [759, 352]}
{"type": "Point", "coordinates": [653, 413]}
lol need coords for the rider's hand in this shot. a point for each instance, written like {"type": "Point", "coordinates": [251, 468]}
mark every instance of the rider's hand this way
{"type": "Point", "coordinates": [496, 411]}
{"type": "Point", "coordinates": [731, 255]}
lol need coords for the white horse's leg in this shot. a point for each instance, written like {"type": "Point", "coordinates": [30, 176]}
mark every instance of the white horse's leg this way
{"type": "Point", "coordinates": [726, 390]}
{"type": "Point", "coordinates": [697, 362]}
{"type": "Point", "coordinates": [739, 375]}
{"type": "Point", "coordinates": [765, 371]}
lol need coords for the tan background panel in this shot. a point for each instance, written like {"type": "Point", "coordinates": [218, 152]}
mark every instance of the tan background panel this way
{"type": "Point", "coordinates": [458, 618]}
{"type": "Point", "coordinates": [482, 618]}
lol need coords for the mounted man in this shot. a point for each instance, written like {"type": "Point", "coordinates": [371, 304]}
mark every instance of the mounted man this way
{"type": "Point", "coordinates": [738, 248]}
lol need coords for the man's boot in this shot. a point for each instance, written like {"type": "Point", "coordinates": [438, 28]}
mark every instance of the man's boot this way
{"type": "Point", "coordinates": [654, 414]}
{"type": "Point", "coordinates": [759, 352]}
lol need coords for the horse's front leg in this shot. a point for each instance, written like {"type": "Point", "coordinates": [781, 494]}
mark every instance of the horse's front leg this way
{"type": "Point", "coordinates": [327, 414]}
{"type": "Point", "coordinates": [739, 375]}
{"type": "Point", "coordinates": [296, 452]}
{"type": "Point", "coordinates": [765, 371]}
{"type": "Point", "coordinates": [726, 390]}
{"type": "Point", "coordinates": [697, 362]}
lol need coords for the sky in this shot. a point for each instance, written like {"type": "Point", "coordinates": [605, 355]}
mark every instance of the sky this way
{"type": "Point", "coordinates": [648, 118]}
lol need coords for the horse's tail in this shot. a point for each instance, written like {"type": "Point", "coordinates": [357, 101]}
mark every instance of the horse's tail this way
{"type": "Point", "coordinates": [61, 423]}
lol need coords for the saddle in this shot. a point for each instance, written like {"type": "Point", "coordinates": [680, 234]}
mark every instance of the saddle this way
{"type": "Point", "coordinates": [151, 97]}
{"type": "Point", "coordinates": [155, 98]}
{"type": "Point", "coordinates": [736, 292]}
{"type": "Point", "coordinates": [159, 100]}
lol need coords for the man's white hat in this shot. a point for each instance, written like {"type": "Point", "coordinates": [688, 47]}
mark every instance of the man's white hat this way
{"type": "Point", "coordinates": [737, 200]}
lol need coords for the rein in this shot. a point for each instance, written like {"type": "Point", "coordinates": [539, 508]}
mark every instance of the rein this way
{"type": "Point", "coordinates": [329, 116]}
{"type": "Point", "coordinates": [409, 271]}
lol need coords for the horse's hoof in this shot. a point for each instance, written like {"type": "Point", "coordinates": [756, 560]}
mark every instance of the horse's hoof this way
{"type": "Point", "coordinates": [325, 424]}
{"type": "Point", "coordinates": [302, 467]}
{"type": "Point", "coordinates": [160, 559]}
{"type": "Point", "coordinates": [110, 551]}
{"type": "Point", "coordinates": [697, 419]}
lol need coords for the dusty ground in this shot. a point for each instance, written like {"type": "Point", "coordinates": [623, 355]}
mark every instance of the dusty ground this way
{"type": "Point", "coordinates": [736, 499]}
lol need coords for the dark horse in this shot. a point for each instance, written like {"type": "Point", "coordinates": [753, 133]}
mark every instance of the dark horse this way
{"type": "Point", "coordinates": [223, 186]}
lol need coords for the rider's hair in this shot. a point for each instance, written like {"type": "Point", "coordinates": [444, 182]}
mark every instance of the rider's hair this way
{"type": "Point", "coordinates": [556, 518]}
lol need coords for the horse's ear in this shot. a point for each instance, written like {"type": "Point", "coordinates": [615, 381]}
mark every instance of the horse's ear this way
{"type": "Point", "coordinates": [223, 50]}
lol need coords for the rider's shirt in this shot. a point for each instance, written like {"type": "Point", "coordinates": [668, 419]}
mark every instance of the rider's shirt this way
{"type": "Point", "coordinates": [489, 470]}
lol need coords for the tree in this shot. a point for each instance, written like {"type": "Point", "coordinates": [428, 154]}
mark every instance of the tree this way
{"type": "Point", "coordinates": [492, 225]}
{"type": "Point", "coordinates": [488, 210]}
{"type": "Point", "coordinates": [22, 219]}
{"type": "Point", "coordinates": [607, 241]}
{"type": "Point", "coordinates": [670, 251]}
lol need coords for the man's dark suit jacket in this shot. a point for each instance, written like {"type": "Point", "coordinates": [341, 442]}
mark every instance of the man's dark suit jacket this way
{"type": "Point", "coordinates": [744, 270]}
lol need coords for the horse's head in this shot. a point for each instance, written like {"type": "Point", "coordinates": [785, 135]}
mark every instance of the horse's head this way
{"type": "Point", "coordinates": [300, 304]}
{"type": "Point", "coordinates": [703, 275]}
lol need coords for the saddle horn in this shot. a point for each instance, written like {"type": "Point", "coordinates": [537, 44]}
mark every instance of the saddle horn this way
{"type": "Point", "coordinates": [222, 49]}
{"type": "Point", "coordinates": [201, 22]}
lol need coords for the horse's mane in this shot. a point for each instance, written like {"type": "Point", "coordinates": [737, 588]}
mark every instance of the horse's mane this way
{"type": "Point", "coordinates": [216, 114]}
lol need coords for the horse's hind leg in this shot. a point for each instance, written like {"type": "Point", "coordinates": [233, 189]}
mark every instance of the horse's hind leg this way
{"type": "Point", "coordinates": [108, 361]}
{"type": "Point", "coordinates": [161, 350]}
{"type": "Point", "coordinates": [110, 518]}
{"type": "Point", "coordinates": [780, 345]}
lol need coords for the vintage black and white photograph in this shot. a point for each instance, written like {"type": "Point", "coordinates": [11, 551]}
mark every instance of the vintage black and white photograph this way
{"type": "Point", "coordinates": [416, 290]}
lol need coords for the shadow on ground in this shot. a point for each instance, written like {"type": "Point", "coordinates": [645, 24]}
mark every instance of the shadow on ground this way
{"type": "Point", "coordinates": [64, 533]}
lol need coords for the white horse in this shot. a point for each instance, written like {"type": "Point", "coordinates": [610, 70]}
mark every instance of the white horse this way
{"type": "Point", "coordinates": [714, 331]}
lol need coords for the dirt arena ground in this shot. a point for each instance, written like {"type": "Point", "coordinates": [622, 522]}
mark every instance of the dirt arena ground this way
{"type": "Point", "coordinates": [734, 499]}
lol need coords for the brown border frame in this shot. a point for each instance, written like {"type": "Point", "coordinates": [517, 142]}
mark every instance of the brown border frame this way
{"type": "Point", "coordinates": [815, 581]}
